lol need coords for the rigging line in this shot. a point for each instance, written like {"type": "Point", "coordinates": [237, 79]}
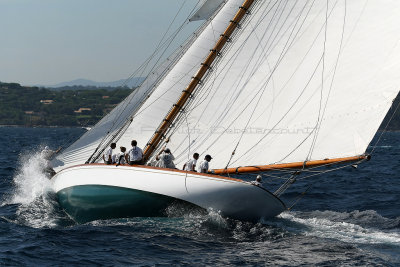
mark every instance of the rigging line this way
{"type": "Point", "coordinates": [299, 15]}
{"type": "Point", "coordinates": [179, 29]}
{"type": "Point", "coordinates": [322, 86]}
{"type": "Point", "coordinates": [161, 41]}
{"type": "Point", "coordinates": [287, 112]}
{"type": "Point", "coordinates": [300, 197]}
{"type": "Point", "coordinates": [183, 48]}
{"type": "Point", "coordinates": [231, 60]}
{"type": "Point", "coordinates": [318, 174]}
{"type": "Point", "coordinates": [169, 40]}
{"type": "Point", "coordinates": [334, 71]}
{"type": "Point", "coordinates": [234, 97]}
{"type": "Point", "coordinates": [148, 61]}
{"type": "Point", "coordinates": [287, 82]}
{"type": "Point", "coordinates": [256, 105]}
{"type": "Point", "coordinates": [283, 53]}
{"type": "Point", "coordinates": [209, 89]}
{"type": "Point", "coordinates": [174, 112]}
{"type": "Point", "coordinates": [385, 129]}
{"type": "Point", "coordinates": [186, 174]}
{"type": "Point", "coordinates": [213, 82]}
{"type": "Point", "coordinates": [167, 44]}
{"type": "Point", "coordinates": [304, 57]}
{"type": "Point", "coordinates": [331, 170]}
{"type": "Point", "coordinates": [296, 99]}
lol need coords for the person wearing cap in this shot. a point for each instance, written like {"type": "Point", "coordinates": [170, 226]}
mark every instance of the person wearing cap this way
{"type": "Point", "coordinates": [258, 181]}
{"type": "Point", "coordinates": [134, 155]}
{"type": "Point", "coordinates": [107, 156]}
{"type": "Point", "coordinates": [204, 164]}
{"type": "Point", "coordinates": [165, 159]}
{"type": "Point", "coordinates": [120, 157]}
{"type": "Point", "coordinates": [191, 164]}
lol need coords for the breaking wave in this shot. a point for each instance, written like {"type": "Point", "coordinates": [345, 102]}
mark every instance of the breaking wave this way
{"type": "Point", "coordinates": [361, 227]}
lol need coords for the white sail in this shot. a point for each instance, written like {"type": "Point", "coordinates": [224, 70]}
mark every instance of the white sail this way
{"type": "Point", "coordinates": [300, 81]}
{"type": "Point", "coordinates": [152, 112]}
{"type": "Point", "coordinates": [206, 10]}
{"type": "Point", "coordinates": [104, 131]}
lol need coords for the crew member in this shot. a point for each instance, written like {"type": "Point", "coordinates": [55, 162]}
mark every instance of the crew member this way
{"type": "Point", "coordinates": [120, 157]}
{"type": "Point", "coordinates": [107, 156]}
{"type": "Point", "coordinates": [165, 159]}
{"type": "Point", "coordinates": [191, 164]}
{"type": "Point", "coordinates": [135, 155]}
{"type": "Point", "coordinates": [204, 164]}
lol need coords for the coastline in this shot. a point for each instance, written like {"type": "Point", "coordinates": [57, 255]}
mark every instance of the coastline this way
{"type": "Point", "coordinates": [41, 126]}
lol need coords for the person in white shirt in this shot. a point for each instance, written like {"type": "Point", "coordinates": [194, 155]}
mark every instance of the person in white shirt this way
{"type": "Point", "coordinates": [165, 159]}
{"type": "Point", "coordinates": [135, 155]}
{"type": "Point", "coordinates": [258, 181]}
{"type": "Point", "coordinates": [107, 156]}
{"type": "Point", "coordinates": [120, 157]}
{"type": "Point", "coordinates": [191, 164]}
{"type": "Point", "coordinates": [204, 164]}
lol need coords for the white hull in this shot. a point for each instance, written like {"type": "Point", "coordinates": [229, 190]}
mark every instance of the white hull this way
{"type": "Point", "coordinates": [232, 197]}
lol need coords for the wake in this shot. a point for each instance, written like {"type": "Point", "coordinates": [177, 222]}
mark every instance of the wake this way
{"type": "Point", "coordinates": [365, 227]}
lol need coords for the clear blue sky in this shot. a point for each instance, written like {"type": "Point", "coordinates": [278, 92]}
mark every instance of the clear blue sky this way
{"type": "Point", "coordinates": [51, 41]}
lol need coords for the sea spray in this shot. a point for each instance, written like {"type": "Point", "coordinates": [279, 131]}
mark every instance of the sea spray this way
{"type": "Point", "coordinates": [30, 180]}
{"type": "Point", "coordinates": [33, 191]}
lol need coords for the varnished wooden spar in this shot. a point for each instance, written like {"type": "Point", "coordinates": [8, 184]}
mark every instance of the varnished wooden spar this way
{"type": "Point", "coordinates": [293, 165]}
{"type": "Point", "coordinates": [173, 113]}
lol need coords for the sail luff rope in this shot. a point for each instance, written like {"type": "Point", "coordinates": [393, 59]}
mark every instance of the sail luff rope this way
{"type": "Point", "coordinates": [169, 119]}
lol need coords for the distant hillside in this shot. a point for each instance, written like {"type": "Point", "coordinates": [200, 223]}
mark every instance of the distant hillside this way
{"type": "Point", "coordinates": [78, 106]}
{"type": "Point", "coordinates": [132, 83]}
{"type": "Point", "coordinates": [35, 106]}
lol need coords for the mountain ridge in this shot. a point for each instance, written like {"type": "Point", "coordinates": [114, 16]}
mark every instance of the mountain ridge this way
{"type": "Point", "coordinates": [133, 82]}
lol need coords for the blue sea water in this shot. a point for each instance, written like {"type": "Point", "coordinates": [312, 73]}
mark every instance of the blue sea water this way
{"type": "Point", "coordinates": [347, 218]}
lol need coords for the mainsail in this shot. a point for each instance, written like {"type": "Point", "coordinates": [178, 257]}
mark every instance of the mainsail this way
{"type": "Point", "coordinates": [299, 81]}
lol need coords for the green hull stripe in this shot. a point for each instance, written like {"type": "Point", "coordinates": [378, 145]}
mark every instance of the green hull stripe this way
{"type": "Point", "coordinates": [93, 202]}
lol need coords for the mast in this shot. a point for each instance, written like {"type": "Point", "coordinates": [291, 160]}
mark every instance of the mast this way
{"type": "Point", "coordinates": [205, 66]}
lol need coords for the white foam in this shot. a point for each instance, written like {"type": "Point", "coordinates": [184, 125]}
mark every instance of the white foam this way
{"type": "Point", "coordinates": [30, 181]}
{"type": "Point", "coordinates": [30, 193]}
{"type": "Point", "coordinates": [349, 232]}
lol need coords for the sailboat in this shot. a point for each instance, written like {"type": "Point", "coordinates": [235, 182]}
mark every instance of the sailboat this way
{"type": "Point", "coordinates": [282, 86]}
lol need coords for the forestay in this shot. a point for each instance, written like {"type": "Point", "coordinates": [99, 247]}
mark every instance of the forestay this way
{"type": "Point", "coordinates": [302, 80]}
{"type": "Point", "coordinates": [152, 112]}
{"type": "Point", "coordinates": [118, 119]}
